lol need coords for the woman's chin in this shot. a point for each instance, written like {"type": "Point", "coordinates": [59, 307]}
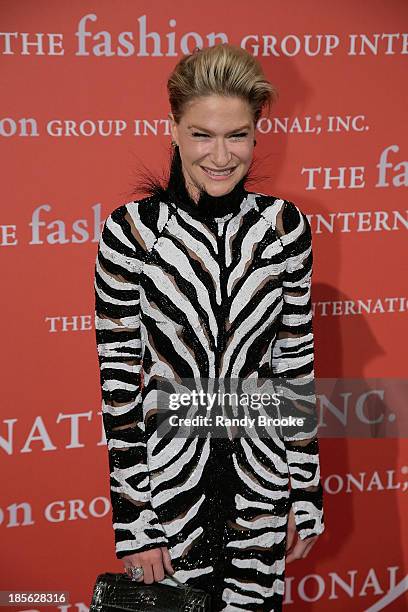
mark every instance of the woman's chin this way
{"type": "Point", "coordinates": [218, 189]}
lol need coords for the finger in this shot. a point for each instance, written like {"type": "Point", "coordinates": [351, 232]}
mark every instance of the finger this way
{"type": "Point", "coordinates": [296, 553]}
{"type": "Point", "coordinates": [158, 570]}
{"type": "Point", "coordinates": [127, 565]}
{"type": "Point", "coordinates": [128, 570]}
{"type": "Point", "coordinates": [289, 545]}
{"type": "Point", "coordinates": [308, 548]}
{"type": "Point", "coordinates": [148, 573]}
{"type": "Point", "coordinates": [141, 578]}
{"type": "Point", "coordinates": [290, 530]}
{"type": "Point", "coordinates": [167, 560]}
{"type": "Point", "coordinates": [292, 556]}
{"type": "Point", "coordinates": [301, 549]}
{"type": "Point", "coordinates": [290, 538]}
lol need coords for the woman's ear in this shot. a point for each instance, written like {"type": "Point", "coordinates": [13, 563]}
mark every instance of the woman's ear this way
{"type": "Point", "coordinates": [172, 126]}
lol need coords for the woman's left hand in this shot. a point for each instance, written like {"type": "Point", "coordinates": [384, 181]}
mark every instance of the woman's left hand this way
{"type": "Point", "coordinates": [295, 547]}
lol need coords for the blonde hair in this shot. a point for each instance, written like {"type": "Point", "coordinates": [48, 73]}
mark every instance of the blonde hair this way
{"type": "Point", "coordinates": [223, 69]}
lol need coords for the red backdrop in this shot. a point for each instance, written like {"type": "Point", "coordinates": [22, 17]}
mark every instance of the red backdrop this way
{"type": "Point", "coordinates": [83, 106]}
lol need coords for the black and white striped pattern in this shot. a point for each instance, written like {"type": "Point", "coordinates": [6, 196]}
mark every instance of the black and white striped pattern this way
{"type": "Point", "coordinates": [178, 298]}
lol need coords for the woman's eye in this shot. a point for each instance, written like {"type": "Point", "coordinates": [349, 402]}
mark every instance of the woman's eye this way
{"type": "Point", "coordinates": [240, 135]}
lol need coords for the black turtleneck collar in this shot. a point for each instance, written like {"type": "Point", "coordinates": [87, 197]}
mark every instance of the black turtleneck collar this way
{"type": "Point", "coordinates": [207, 206]}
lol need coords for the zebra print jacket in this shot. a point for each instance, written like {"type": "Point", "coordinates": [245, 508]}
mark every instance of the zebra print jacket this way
{"type": "Point", "coordinates": [188, 292]}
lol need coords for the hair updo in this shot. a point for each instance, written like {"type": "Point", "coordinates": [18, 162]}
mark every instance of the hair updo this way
{"type": "Point", "coordinates": [224, 69]}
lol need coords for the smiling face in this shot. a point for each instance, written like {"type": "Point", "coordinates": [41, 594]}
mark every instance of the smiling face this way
{"type": "Point", "coordinates": [216, 141]}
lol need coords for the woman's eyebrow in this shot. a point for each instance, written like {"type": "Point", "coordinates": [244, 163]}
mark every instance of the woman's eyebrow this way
{"type": "Point", "coordinates": [196, 127]}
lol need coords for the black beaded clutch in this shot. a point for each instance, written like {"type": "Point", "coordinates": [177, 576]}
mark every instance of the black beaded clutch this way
{"type": "Point", "coordinates": [118, 592]}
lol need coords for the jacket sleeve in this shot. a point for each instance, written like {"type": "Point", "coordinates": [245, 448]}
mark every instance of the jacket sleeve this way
{"type": "Point", "coordinates": [292, 363]}
{"type": "Point", "coordinates": [118, 339]}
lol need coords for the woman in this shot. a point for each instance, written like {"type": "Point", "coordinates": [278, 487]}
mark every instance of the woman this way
{"type": "Point", "coordinates": [204, 279]}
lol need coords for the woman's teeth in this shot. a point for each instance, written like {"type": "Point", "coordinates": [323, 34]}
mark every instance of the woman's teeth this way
{"type": "Point", "coordinates": [218, 172]}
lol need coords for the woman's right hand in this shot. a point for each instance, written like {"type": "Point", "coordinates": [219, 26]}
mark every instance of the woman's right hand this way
{"type": "Point", "coordinates": [154, 562]}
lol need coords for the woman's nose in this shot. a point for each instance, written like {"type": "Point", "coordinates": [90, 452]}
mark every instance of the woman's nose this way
{"type": "Point", "coordinates": [220, 154]}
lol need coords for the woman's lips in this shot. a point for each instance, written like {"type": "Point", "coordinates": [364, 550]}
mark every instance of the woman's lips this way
{"type": "Point", "coordinates": [218, 177]}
